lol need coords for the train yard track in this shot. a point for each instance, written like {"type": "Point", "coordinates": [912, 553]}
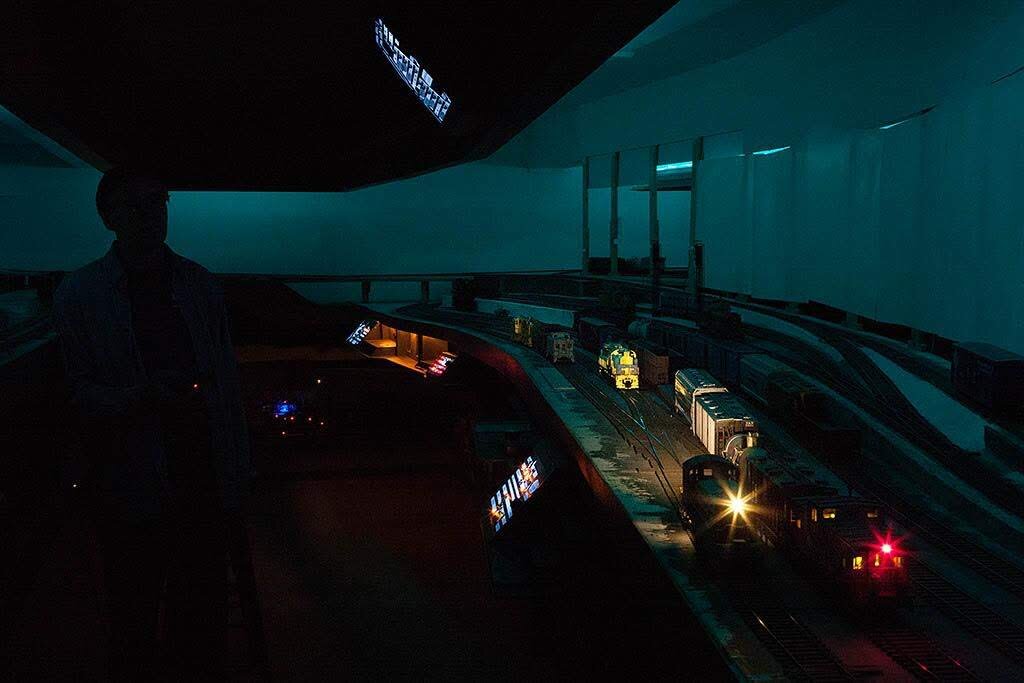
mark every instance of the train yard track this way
{"type": "Point", "coordinates": [643, 425]}
{"type": "Point", "coordinates": [918, 655]}
{"type": "Point", "coordinates": [800, 653]}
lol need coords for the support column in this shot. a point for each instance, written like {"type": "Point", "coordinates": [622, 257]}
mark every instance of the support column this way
{"type": "Point", "coordinates": [613, 223]}
{"type": "Point", "coordinates": [691, 269]}
{"type": "Point", "coordinates": [585, 249]}
{"type": "Point", "coordinates": [654, 228]}
{"type": "Point", "coordinates": [425, 291]}
{"type": "Point", "coordinates": [366, 291]}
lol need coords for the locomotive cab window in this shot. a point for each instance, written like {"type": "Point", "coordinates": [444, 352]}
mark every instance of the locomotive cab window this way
{"type": "Point", "coordinates": [897, 561]}
{"type": "Point", "coordinates": [814, 514]}
{"type": "Point", "coordinates": [828, 513]}
{"type": "Point", "coordinates": [858, 562]}
{"type": "Point", "coordinates": [872, 514]}
{"type": "Point", "coordinates": [878, 560]}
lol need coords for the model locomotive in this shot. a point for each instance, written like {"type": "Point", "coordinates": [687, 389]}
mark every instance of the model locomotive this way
{"type": "Point", "coordinates": [713, 501]}
{"type": "Point", "coordinates": [617, 362]}
{"type": "Point", "coordinates": [848, 539]}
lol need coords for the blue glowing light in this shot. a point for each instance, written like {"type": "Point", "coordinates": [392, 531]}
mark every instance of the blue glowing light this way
{"type": "Point", "coordinates": [284, 408]}
{"type": "Point", "coordinates": [408, 69]}
{"type": "Point", "coordinates": [893, 125]}
{"type": "Point", "coordinates": [765, 152]}
{"type": "Point", "coordinates": [679, 166]}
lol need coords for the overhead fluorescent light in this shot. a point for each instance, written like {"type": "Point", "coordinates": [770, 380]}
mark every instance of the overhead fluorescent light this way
{"type": "Point", "coordinates": [765, 152]}
{"type": "Point", "coordinates": [893, 125]}
{"type": "Point", "coordinates": [679, 166]}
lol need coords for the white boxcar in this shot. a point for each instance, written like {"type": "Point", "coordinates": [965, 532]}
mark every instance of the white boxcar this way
{"type": "Point", "coordinates": [691, 383]}
{"type": "Point", "coordinates": [723, 424]}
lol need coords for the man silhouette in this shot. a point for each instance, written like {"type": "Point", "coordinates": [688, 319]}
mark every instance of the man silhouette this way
{"type": "Point", "coordinates": [152, 373]}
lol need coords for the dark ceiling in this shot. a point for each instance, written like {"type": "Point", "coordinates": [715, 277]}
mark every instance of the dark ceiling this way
{"type": "Point", "coordinates": [296, 95]}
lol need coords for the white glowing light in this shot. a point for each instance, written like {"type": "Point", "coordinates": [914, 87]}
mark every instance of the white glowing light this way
{"type": "Point", "coordinates": [886, 548]}
{"type": "Point", "coordinates": [662, 168]}
{"type": "Point", "coordinates": [737, 506]}
{"type": "Point", "coordinates": [765, 152]}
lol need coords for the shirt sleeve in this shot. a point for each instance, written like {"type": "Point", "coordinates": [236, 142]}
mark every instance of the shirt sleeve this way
{"type": "Point", "coordinates": [92, 399]}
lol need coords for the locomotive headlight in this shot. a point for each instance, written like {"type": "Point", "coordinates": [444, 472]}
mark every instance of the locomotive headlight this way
{"type": "Point", "coordinates": [737, 506]}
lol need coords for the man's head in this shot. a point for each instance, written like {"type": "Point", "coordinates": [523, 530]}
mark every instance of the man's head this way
{"type": "Point", "coordinates": [134, 206]}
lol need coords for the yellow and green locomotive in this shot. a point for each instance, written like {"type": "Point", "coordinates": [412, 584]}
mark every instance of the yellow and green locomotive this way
{"type": "Point", "coordinates": [618, 363]}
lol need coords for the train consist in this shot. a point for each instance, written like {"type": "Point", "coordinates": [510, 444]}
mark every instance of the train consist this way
{"type": "Point", "coordinates": [741, 493]}
{"type": "Point", "coordinates": [555, 343]}
{"type": "Point", "coordinates": [798, 405]}
{"type": "Point", "coordinates": [846, 538]}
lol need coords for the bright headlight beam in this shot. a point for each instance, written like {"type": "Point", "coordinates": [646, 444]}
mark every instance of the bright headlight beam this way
{"type": "Point", "coordinates": [737, 506]}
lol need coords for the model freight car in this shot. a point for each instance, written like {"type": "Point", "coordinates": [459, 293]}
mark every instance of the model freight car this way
{"type": "Point", "coordinates": [524, 329]}
{"type": "Point", "coordinates": [992, 376]}
{"type": "Point", "coordinates": [654, 363]}
{"type": "Point", "coordinates": [618, 363]}
{"type": "Point", "coordinates": [595, 332]}
{"type": "Point", "coordinates": [723, 424]}
{"type": "Point", "coordinates": [717, 512]}
{"type": "Point", "coordinates": [724, 357]}
{"type": "Point", "coordinates": [559, 347]}
{"type": "Point", "coordinates": [691, 383]}
{"type": "Point", "coordinates": [847, 539]}
{"type": "Point", "coordinates": [798, 404]}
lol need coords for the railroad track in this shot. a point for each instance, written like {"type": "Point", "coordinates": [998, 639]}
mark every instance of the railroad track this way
{"type": "Point", "coordinates": [800, 653]}
{"type": "Point", "coordinates": [1003, 635]}
{"type": "Point", "coordinates": [1000, 571]}
{"type": "Point", "coordinates": [918, 655]}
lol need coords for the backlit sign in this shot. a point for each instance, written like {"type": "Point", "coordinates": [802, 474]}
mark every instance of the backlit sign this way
{"type": "Point", "coordinates": [359, 334]}
{"type": "Point", "coordinates": [408, 69]}
{"type": "Point", "coordinates": [516, 490]}
{"type": "Point", "coordinates": [441, 364]}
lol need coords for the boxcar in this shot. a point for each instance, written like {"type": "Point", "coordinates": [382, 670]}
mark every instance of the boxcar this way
{"type": "Point", "coordinates": [724, 358]}
{"type": "Point", "coordinates": [654, 363]}
{"type": "Point", "coordinates": [723, 424]}
{"type": "Point", "coordinates": [594, 332]}
{"type": "Point", "coordinates": [797, 404]}
{"type": "Point", "coordinates": [691, 383]}
{"type": "Point", "coordinates": [992, 376]}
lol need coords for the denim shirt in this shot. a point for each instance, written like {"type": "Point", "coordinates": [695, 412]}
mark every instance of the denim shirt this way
{"type": "Point", "coordinates": [92, 316]}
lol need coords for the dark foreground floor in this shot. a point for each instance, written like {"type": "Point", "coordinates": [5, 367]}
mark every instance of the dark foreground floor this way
{"type": "Point", "coordinates": [369, 559]}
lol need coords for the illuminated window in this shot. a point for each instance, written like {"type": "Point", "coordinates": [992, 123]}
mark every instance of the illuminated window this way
{"type": "Point", "coordinates": [814, 514]}
{"type": "Point", "coordinates": [858, 562]}
{"type": "Point", "coordinates": [792, 515]}
{"type": "Point", "coordinates": [878, 560]}
{"type": "Point", "coordinates": [708, 472]}
{"type": "Point", "coordinates": [828, 513]}
{"type": "Point", "coordinates": [872, 514]}
{"type": "Point", "coordinates": [898, 561]}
